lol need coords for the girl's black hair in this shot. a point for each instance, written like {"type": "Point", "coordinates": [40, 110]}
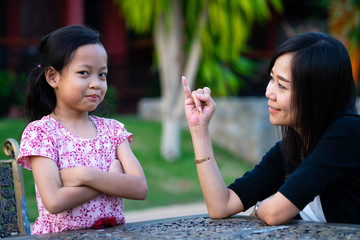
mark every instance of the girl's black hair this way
{"type": "Point", "coordinates": [322, 84]}
{"type": "Point", "coordinates": [56, 50]}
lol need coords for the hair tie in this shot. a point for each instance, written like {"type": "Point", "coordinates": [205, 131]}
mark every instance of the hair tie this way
{"type": "Point", "coordinates": [39, 66]}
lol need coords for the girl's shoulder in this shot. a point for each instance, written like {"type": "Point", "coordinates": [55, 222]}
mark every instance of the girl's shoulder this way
{"type": "Point", "coordinates": [46, 124]}
{"type": "Point", "coordinates": [108, 124]}
{"type": "Point", "coordinates": [105, 121]}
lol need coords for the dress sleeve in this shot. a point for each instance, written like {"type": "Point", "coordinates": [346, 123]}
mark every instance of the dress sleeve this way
{"type": "Point", "coordinates": [36, 140]}
{"type": "Point", "coordinates": [334, 159]}
{"type": "Point", "coordinates": [120, 133]}
{"type": "Point", "coordinates": [263, 181]}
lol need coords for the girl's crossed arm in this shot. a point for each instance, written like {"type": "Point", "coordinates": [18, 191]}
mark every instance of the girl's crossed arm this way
{"type": "Point", "coordinates": [55, 197]}
{"type": "Point", "coordinates": [71, 187]}
{"type": "Point", "coordinates": [130, 184]}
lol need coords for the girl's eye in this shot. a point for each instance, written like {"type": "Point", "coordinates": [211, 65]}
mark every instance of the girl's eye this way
{"type": "Point", "coordinates": [103, 75]}
{"type": "Point", "coordinates": [83, 73]}
{"type": "Point", "coordinates": [270, 78]}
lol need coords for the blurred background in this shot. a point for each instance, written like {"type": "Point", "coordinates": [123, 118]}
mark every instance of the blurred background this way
{"type": "Point", "coordinates": [224, 44]}
{"type": "Point", "coordinates": [133, 71]}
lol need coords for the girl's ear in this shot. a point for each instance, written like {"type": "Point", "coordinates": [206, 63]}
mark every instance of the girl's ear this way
{"type": "Point", "coordinates": [52, 76]}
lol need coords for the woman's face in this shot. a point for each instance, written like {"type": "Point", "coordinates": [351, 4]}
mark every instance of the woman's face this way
{"type": "Point", "coordinates": [279, 92]}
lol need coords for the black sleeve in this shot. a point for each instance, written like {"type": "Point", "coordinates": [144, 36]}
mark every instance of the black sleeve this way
{"type": "Point", "coordinates": [334, 159]}
{"type": "Point", "coordinates": [263, 181]}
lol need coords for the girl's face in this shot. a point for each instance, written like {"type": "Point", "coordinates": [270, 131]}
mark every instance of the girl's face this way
{"type": "Point", "coordinates": [82, 84]}
{"type": "Point", "coordinates": [279, 92]}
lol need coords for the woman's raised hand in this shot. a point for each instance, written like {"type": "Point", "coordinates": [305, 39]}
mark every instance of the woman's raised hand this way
{"type": "Point", "coordinates": [199, 106]}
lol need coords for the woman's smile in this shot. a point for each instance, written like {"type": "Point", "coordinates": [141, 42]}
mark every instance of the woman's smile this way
{"type": "Point", "coordinates": [273, 110]}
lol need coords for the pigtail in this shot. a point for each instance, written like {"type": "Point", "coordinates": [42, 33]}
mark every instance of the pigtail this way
{"type": "Point", "coordinates": [40, 97]}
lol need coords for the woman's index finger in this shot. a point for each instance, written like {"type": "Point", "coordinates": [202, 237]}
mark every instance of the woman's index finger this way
{"type": "Point", "coordinates": [186, 87]}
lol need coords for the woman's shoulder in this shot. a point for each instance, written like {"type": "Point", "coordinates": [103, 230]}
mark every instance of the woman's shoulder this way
{"type": "Point", "coordinates": [343, 131]}
{"type": "Point", "coordinates": [275, 155]}
{"type": "Point", "coordinates": [276, 148]}
{"type": "Point", "coordinates": [347, 120]}
{"type": "Point", "coordinates": [352, 115]}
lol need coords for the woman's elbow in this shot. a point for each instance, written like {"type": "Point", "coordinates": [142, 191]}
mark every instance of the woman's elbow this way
{"type": "Point", "coordinates": [218, 213]}
{"type": "Point", "coordinates": [274, 219]}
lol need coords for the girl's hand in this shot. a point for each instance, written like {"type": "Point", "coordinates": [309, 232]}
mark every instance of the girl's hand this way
{"type": "Point", "coordinates": [70, 177]}
{"type": "Point", "coordinates": [199, 106]}
{"type": "Point", "coordinates": [116, 167]}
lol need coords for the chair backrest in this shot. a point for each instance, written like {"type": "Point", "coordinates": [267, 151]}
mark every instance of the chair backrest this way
{"type": "Point", "coordinates": [14, 217]}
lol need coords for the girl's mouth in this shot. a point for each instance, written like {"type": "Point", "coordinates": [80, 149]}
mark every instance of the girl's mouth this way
{"type": "Point", "coordinates": [93, 97]}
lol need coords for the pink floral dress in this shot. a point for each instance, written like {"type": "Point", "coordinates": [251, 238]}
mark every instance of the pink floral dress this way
{"type": "Point", "coordinates": [48, 138]}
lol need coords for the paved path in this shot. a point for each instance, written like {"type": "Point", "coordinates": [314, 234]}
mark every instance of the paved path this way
{"type": "Point", "coordinates": [169, 211]}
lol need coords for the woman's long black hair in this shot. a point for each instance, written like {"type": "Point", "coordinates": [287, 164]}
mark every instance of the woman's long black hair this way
{"type": "Point", "coordinates": [322, 85]}
{"type": "Point", "coordinates": [56, 50]}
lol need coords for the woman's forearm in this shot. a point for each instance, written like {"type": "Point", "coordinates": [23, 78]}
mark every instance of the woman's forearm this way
{"type": "Point", "coordinates": [216, 194]}
{"type": "Point", "coordinates": [199, 108]}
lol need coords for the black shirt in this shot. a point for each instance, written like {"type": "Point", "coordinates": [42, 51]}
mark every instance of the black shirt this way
{"type": "Point", "coordinates": [332, 171]}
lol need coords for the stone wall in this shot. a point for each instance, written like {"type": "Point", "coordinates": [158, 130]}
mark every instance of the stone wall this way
{"type": "Point", "coordinates": [241, 125]}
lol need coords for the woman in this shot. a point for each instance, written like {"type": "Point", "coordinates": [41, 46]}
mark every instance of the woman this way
{"type": "Point", "coordinates": [314, 171]}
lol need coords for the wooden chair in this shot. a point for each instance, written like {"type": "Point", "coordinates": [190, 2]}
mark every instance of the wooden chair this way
{"type": "Point", "coordinates": [14, 217]}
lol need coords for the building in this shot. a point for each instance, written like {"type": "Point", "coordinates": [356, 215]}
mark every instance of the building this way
{"type": "Point", "coordinates": [24, 22]}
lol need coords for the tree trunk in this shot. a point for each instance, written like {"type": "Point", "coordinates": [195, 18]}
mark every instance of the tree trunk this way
{"type": "Point", "coordinates": [170, 147]}
{"type": "Point", "coordinates": [170, 49]}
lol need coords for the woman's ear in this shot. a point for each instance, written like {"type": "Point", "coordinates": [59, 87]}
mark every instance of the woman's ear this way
{"type": "Point", "coordinates": [52, 76]}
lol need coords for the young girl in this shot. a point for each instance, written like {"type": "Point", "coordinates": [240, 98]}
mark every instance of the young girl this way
{"type": "Point", "coordinates": [314, 171]}
{"type": "Point", "coordinates": [82, 165]}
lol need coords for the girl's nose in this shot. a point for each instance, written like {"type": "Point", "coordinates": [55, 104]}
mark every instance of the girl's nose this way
{"type": "Point", "coordinates": [94, 82]}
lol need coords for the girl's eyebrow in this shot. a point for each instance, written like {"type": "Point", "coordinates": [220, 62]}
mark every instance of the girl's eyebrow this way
{"type": "Point", "coordinates": [89, 66]}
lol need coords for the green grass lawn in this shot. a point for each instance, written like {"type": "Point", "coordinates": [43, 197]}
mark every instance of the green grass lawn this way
{"type": "Point", "coordinates": [169, 182]}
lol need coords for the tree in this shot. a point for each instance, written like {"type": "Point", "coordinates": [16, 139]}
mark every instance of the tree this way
{"type": "Point", "coordinates": [197, 39]}
{"type": "Point", "coordinates": [344, 23]}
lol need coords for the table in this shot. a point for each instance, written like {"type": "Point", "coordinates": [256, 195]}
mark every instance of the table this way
{"type": "Point", "coordinates": [203, 227]}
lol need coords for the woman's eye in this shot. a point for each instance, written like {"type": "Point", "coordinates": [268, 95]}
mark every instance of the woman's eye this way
{"type": "Point", "coordinates": [270, 78]}
{"type": "Point", "coordinates": [282, 86]}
